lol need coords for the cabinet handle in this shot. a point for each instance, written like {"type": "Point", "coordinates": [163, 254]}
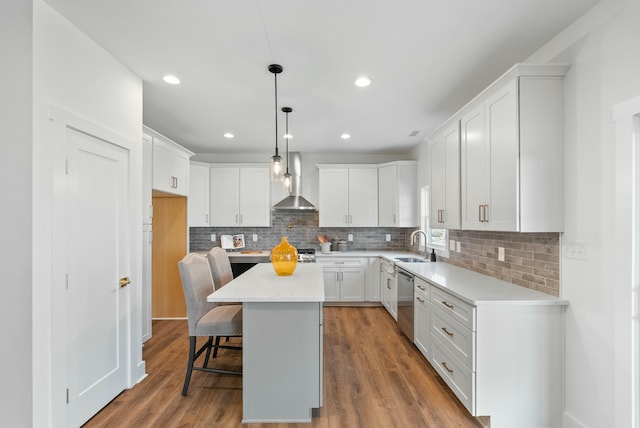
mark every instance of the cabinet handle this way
{"type": "Point", "coordinates": [484, 209]}
{"type": "Point", "coordinates": [350, 219]}
{"type": "Point", "coordinates": [394, 219]}
{"type": "Point", "coordinates": [444, 364]}
{"type": "Point", "coordinates": [421, 287]}
{"type": "Point", "coordinates": [337, 276]}
{"type": "Point", "coordinates": [447, 331]}
{"type": "Point", "coordinates": [240, 218]}
{"type": "Point", "coordinates": [420, 299]}
{"type": "Point", "coordinates": [236, 218]}
{"type": "Point", "coordinates": [444, 302]}
{"type": "Point", "coordinates": [206, 218]}
{"type": "Point", "coordinates": [346, 219]}
{"type": "Point", "coordinates": [480, 213]}
{"type": "Point", "coordinates": [388, 286]}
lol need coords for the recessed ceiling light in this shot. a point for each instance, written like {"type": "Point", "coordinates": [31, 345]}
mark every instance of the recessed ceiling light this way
{"type": "Point", "coordinates": [363, 81]}
{"type": "Point", "coordinates": [345, 136]}
{"type": "Point", "coordinates": [228, 135]}
{"type": "Point", "coordinates": [172, 80]}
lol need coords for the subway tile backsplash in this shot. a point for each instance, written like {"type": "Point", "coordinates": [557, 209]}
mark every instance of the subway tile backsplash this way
{"type": "Point", "coordinates": [302, 231]}
{"type": "Point", "coordinates": [532, 260]}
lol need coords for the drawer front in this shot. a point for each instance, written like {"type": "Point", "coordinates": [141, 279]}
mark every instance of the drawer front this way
{"type": "Point", "coordinates": [458, 339]}
{"type": "Point", "coordinates": [460, 379]}
{"type": "Point", "coordinates": [459, 310]}
{"type": "Point", "coordinates": [422, 287]}
{"type": "Point", "coordinates": [342, 261]}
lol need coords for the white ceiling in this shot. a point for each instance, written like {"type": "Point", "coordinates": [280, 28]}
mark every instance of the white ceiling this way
{"type": "Point", "coordinates": [426, 58]}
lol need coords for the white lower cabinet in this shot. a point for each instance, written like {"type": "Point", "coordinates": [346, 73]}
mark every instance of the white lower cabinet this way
{"type": "Point", "coordinates": [372, 280]}
{"type": "Point", "coordinates": [344, 279]}
{"type": "Point", "coordinates": [502, 359]}
{"type": "Point", "coordinates": [422, 316]}
{"type": "Point", "coordinates": [389, 288]}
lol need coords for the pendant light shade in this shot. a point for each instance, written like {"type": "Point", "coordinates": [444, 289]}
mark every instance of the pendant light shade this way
{"type": "Point", "coordinates": [287, 176]}
{"type": "Point", "coordinates": [276, 159]}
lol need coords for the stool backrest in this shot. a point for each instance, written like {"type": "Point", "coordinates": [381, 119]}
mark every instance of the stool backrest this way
{"type": "Point", "coordinates": [220, 267]}
{"type": "Point", "coordinates": [197, 284]}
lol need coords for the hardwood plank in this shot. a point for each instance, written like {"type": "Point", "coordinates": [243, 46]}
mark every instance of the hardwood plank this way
{"type": "Point", "coordinates": [373, 377]}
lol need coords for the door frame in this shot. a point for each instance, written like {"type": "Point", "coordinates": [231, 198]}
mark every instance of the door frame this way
{"type": "Point", "coordinates": [626, 290]}
{"type": "Point", "coordinates": [59, 121]}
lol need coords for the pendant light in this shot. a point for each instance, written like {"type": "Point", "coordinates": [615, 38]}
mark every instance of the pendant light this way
{"type": "Point", "coordinates": [276, 159]}
{"type": "Point", "coordinates": [287, 175]}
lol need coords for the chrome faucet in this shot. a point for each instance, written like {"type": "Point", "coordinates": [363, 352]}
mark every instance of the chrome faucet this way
{"type": "Point", "coordinates": [412, 239]}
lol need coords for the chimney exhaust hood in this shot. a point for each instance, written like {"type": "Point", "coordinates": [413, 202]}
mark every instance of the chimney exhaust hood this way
{"type": "Point", "coordinates": [295, 201]}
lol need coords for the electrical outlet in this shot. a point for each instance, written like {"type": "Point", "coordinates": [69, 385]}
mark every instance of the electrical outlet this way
{"type": "Point", "coordinates": [350, 237]}
{"type": "Point", "coordinates": [575, 250]}
{"type": "Point", "coordinates": [458, 247]}
{"type": "Point", "coordinates": [213, 237]}
{"type": "Point", "coordinates": [452, 245]}
{"type": "Point", "coordinates": [387, 237]}
{"type": "Point", "coordinates": [255, 237]}
{"type": "Point", "coordinates": [501, 254]}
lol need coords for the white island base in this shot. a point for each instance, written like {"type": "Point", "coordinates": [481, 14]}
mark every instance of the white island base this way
{"type": "Point", "coordinates": [282, 341]}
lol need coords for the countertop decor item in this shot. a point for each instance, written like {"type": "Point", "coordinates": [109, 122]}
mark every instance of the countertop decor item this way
{"type": "Point", "coordinates": [284, 258]}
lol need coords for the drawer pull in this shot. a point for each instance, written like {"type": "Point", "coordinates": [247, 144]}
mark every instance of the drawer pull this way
{"type": "Point", "coordinates": [422, 287]}
{"type": "Point", "coordinates": [447, 331]}
{"type": "Point", "coordinates": [420, 299]}
{"type": "Point", "coordinates": [444, 302]}
{"type": "Point", "coordinates": [444, 364]}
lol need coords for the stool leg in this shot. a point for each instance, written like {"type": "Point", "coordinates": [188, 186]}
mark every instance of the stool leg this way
{"type": "Point", "coordinates": [192, 353]}
{"type": "Point", "coordinates": [206, 357]}
{"type": "Point", "coordinates": [215, 350]}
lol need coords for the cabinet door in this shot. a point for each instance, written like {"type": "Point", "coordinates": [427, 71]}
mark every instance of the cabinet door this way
{"type": "Point", "coordinates": [333, 197]}
{"type": "Point", "coordinates": [162, 154]}
{"type": "Point", "coordinates": [451, 193]}
{"type": "Point", "coordinates": [198, 201]}
{"type": "Point", "coordinates": [255, 196]}
{"type": "Point", "coordinates": [372, 281]}
{"type": "Point", "coordinates": [147, 179]}
{"type": "Point", "coordinates": [145, 313]}
{"type": "Point", "coordinates": [474, 168]}
{"type": "Point", "coordinates": [437, 182]}
{"type": "Point", "coordinates": [363, 197]}
{"type": "Point", "coordinates": [224, 194]}
{"type": "Point", "coordinates": [502, 145]}
{"type": "Point", "coordinates": [422, 317]}
{"type": "Point", "coordinates": [352, 284]}
{"type": "Point", "coordinates": [331, 284]}
{"type": "Point", "coordinates": [388, 196]}
{"type": "Point", "coordinates": [180, 173]}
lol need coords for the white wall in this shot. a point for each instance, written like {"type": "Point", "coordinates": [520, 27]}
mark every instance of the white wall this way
{"type": "Point", "coordinates": [15, 212]}
{"type": "Point", "coordinates": [75, 74]}
{"type": "Point", "coordinates": [605, 72]}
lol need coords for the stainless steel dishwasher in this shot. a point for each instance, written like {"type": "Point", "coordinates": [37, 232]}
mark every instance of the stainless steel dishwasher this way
{"type": "Point", "coordinates": [405, 303]}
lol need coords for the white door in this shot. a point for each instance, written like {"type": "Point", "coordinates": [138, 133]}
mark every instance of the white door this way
{"type": "Point", "coordinates": [97, 313]}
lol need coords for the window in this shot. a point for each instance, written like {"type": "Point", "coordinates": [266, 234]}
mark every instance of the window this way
{"type": "Point", "coordinates": [437, 238]}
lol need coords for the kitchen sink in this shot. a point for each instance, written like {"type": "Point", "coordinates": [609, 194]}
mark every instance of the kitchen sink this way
{"type": "Point", "coordinates": [409, 260]}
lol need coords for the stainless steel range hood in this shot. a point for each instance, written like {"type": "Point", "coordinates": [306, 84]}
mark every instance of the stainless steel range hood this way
{"type": "Point", "coordinates": [294, 201]}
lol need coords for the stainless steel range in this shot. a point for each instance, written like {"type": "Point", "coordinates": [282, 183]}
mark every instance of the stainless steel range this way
{"type": "Point", "coordinates": [306, 255]}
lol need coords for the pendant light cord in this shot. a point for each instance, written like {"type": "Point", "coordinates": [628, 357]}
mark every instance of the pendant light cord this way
{"type": "Point", "coordinates": [287, 141]}
{"type": "Point", "coordinates": [275, 78]}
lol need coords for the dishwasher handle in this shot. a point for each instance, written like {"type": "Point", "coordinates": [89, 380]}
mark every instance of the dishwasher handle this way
{"type": "Point", "coordinates": [407, 277]}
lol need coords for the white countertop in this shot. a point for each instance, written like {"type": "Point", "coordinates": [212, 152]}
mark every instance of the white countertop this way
{"type": "Point", "coordinates": [261, 284]}
{"type": "Point", "coordinates": [475, 288]}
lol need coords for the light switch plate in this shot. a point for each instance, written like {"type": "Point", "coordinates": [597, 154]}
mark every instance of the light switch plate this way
{"type": "Point", "coordinates": [501, 254]}
{"type": "Point", "coordinates": [255, 236]}
{"type": "Point", "coordinates": [350, 237]}
{"type": "Point", "coordinates": [575, 250]}
{"type": "Point", "coordinates": [213, 237]}
{"type": "Point", "coordinates": [452, 245]}
{"type": "Point", "coordinates": [387, 237]}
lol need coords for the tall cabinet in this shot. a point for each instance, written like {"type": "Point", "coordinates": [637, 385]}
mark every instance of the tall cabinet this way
{"type": "Point", "coordinates": [397, 195]}
{"type": "Point", "coordinates": [444, 156]}
{"type": "Point", "coordinates": [512, 153]}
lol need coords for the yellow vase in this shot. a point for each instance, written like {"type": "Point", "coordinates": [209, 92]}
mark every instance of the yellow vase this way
{"type": "Point", "coordinates": [284, 258]}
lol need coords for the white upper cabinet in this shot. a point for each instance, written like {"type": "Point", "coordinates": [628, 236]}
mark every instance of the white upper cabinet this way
{"type": "Point", "coordinates": [240, 196]}
{"type": "Point", "coordinates": [170, 165]}
{"type": "Point", "coordinates": [444, 157]}
{"type": "Point", "coordinates": [511, 157]}
{"type": "Point", "coordinates": [397, 194]}
{"type": "Point", "coordinates": [198, 202]}
{"type": "Point", "coordinates": [348, 196]}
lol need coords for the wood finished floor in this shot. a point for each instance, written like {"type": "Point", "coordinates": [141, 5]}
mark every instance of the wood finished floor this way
{"type": "Point", "coordinates": [373, 377]}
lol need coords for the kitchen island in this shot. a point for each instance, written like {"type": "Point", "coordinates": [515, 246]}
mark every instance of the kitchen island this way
{"type": "Point", "coordinates": [282, 341]}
